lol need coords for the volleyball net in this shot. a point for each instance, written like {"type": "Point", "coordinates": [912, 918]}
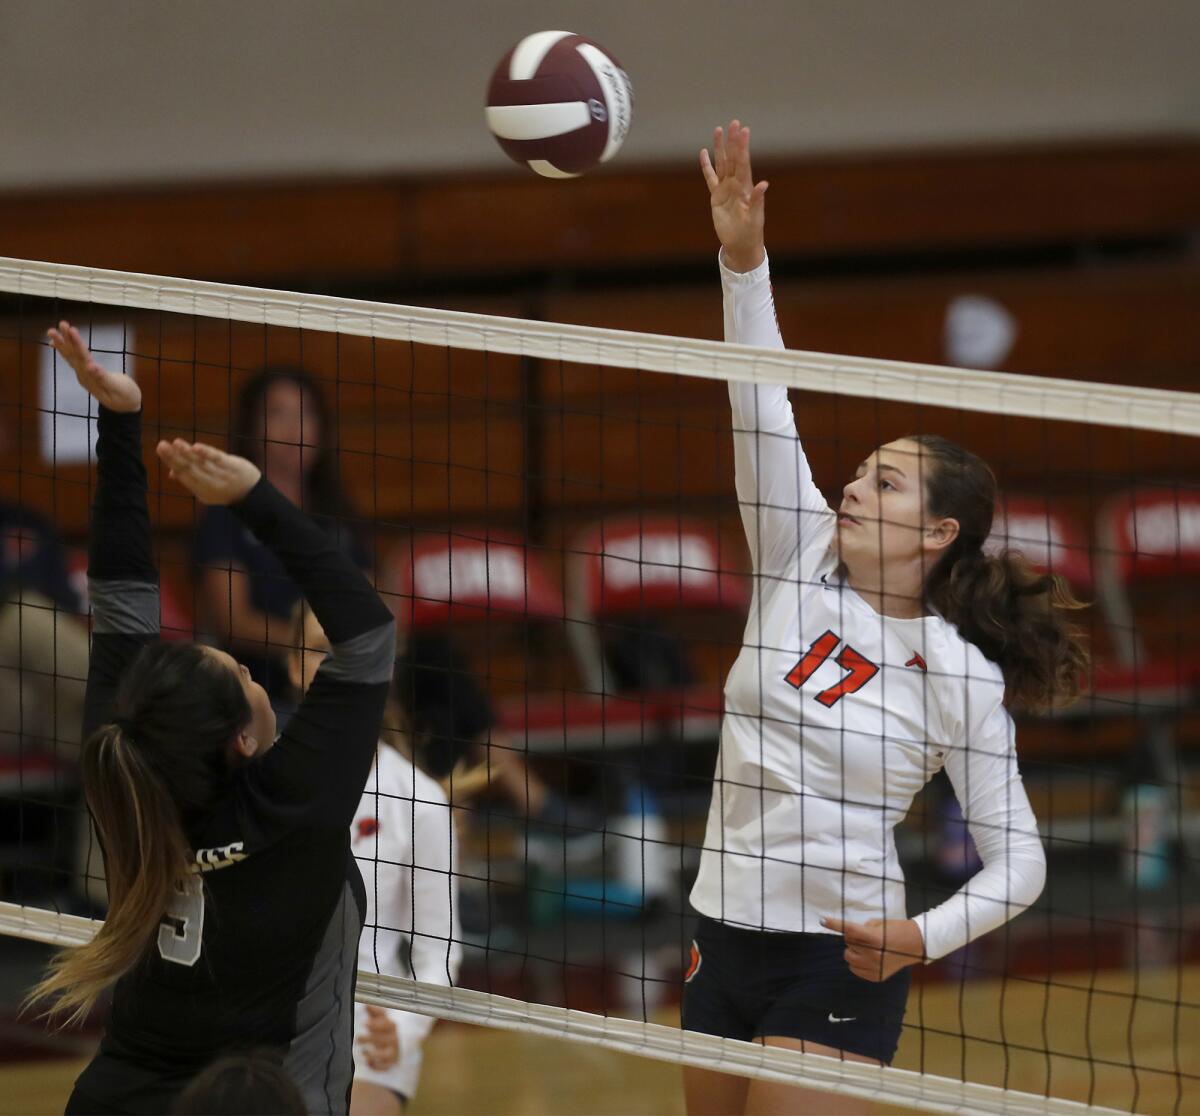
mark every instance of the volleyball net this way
{"type": "Point", "coordinates": [550, 512]}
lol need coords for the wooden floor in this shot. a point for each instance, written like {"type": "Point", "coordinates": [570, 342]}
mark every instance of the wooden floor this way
{"type": "Point", "coordinates": [1031, 1038]}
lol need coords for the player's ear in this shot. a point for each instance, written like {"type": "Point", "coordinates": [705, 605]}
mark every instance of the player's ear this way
{"type": "Point", "coordinates": [940, 534]}
{"type": "Point", "coordinates": [245, 746]}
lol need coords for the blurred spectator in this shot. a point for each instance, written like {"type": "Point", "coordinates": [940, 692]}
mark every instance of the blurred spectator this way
{"type": "Point", "coordinates": [450, 721]}
{"type": "Point", "coordinates": [241, 1085]}
{"type": "Point", "coordinates": [282, 424]}
{"type": "Point", "coordinates": [43, 645]}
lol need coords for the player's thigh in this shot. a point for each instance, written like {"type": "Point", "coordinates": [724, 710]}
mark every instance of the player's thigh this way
{"type": "Point", "coordinates": [369, 1099]}
{"type": "Point", "coordinates": [768, 1098]}
{"type": "Point", "coordinates": [707, 1093]}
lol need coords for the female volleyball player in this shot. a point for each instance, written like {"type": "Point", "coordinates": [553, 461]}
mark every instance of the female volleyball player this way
{"type": "Point", "coordinates": [882, 645]}
{"type": "Point", "coordinates": [403, 837]}
{"type": "Point", "coordinates": [234, 904]}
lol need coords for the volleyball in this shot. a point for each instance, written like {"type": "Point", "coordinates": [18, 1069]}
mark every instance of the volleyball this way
{"type": "Point", "coordinates": [559, 103]}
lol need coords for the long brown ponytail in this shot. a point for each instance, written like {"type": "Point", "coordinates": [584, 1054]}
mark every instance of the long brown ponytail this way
{"type": "Point", "coordinates": [146, 858]}
{"type": "Point", "coordinates": [1016, 616]}
{"type": "Point", "coordinates": [161, 762]}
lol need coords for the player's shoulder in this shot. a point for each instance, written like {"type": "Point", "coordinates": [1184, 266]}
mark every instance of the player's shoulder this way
{"type": "Point", "coordinates": [427, 789]}
{"type": "Point", "coordinates": [959, 662]}
{"type": "Point", "coordinates": [392, 774]}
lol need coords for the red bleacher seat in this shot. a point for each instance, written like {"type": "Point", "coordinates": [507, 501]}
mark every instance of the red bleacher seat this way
{"type": "Point", "coordinates": [1149, 539]}
{"type": "Point", "coordinates": [457, 578]}
{"type": "Point", "coordinates": [627, 568]}
{"type": "Point", "coordinates": [1047, 537]}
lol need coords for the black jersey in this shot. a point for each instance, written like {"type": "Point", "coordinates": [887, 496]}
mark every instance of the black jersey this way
{"type": "Point", "coordinates": [261, 949]}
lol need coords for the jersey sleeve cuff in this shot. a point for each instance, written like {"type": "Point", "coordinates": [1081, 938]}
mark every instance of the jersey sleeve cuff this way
{"type": "Point", "coordinates": [731, 278]}
{"type": "Point", "coordinates": [932, 939]}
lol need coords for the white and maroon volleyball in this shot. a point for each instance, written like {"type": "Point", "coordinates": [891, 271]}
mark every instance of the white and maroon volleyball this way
{"type": "Point", "coordinates": [559, 103]}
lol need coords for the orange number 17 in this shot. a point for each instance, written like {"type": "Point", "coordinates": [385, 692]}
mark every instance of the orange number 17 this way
{"type": "Point", "coordinates": [860, 669]}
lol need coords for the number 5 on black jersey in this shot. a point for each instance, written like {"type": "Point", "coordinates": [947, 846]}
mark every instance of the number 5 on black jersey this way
{"type": "Point", "coordinates": [860, 669]}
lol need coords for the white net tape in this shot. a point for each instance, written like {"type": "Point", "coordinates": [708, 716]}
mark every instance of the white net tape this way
{"type": "Point", "coordinates": [1000, 393]}
{"type": "Point", "coordinates": [630, 1036]}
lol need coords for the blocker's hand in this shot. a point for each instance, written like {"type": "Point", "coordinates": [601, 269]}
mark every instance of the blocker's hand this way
{"type": "Point", "coordinates": [738, 210]}
{"type": "Point", "coordinates": [113, 390]}
{"type": "Point", "coordinates": [879, 949]}
{"type": "Point", "coordinates": [212, 476]}
{"type": "Point", "coordinates": [380, 1042]}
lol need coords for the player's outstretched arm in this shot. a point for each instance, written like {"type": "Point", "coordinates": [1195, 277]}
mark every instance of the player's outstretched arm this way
{"type": "Point", "coordinates": [122, 577]}
{"type": "Point", "coordinates": [327, 748]}
{"type": "Point", "coordinates": [772, 475]}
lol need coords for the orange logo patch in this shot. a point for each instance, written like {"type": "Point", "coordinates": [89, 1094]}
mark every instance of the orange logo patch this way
{"type": "Point", "coordinates": [367, 827]}
{"type": "Point", "coordinates": [693, 965]}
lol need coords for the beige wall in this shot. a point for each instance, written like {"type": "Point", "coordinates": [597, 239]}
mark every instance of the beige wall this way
{"type": "Point", "coordinates": [133, 90]}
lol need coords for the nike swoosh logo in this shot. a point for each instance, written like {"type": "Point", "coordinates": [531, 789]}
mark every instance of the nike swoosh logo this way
{"type": "Point", "coordinates": [848, 1019]}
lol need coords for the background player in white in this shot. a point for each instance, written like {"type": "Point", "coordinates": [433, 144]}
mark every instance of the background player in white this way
{"type": "Point", "coordinates": [404, 841]}
{"type": "Point", "coordinates": [882, 645]}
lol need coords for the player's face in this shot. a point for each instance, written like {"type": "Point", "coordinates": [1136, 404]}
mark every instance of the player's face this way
{"type": "Point", "coordinates": [883, 519]}
{"type": "Point", "coordinates": [293, 430]}
{"type": "Point", "coordinates": [262, 716]}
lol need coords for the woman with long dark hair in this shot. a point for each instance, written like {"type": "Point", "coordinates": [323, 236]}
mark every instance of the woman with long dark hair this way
{"type": "Point", "coordinates": [235, 906]}
{"type": "Point", "coordinates": [282, 424]}
{"type": "Point", "coordinates": [883, 645]}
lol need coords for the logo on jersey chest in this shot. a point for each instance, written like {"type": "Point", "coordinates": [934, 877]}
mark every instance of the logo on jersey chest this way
{"type": "Point", "coordinates": [366, 827]}
{"type": "Point", "coordinates": [223, 856]}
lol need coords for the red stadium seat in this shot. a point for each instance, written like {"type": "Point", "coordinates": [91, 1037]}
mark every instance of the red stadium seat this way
{"type": "Point", "coordinates": [1047, 538]}
{"type": "Point", "coordinates": [457, 578]}
{"type": "Point", "coordinates": [627, 566]}
{"type": "Point", "coordinates": [627, 570]}
{"type": "Point", "coordinates": [1148, 555]}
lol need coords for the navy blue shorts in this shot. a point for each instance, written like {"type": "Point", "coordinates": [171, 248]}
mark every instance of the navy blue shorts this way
{"type": "Point", "coordinates": [748, 984]}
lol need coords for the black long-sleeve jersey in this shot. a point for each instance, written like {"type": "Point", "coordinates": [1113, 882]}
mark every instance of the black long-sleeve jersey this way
{"type": "Point", "coordinates": [261, 949]}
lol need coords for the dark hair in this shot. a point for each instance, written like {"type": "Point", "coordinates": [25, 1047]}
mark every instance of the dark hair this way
{"type": "Point", "coordinates": [441, 699]}
{"type": "Point", "coordinates": [323, 494]}
{"type": "Point", "coordinates": [159, 764]}
{"type": "Point", "coordinates": [252, 1084]}
{"type": "Point", "coordinates": [1016, 616]}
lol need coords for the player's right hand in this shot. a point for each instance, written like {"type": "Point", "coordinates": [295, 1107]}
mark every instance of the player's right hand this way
{"type": "Point", "coordinates": [113, 390]}
{"type": "Point", "coordinates": [738, 210]}
{"type": "Point", "coordinates": [212, 476]}
{"type": "Point", "coordinates": [380, 1042]}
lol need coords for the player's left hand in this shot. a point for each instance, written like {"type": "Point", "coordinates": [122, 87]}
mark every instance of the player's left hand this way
{"type": "Point", "coordinates": [210, 475]}
{"type": "Point", "coordinates": [880, 948]}
{"type": "Point", "coordinates": [380, 1042]}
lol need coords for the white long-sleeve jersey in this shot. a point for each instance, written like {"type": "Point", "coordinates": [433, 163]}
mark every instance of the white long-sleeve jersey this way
{"type": "Point", "coordinates": [404, 841]}
{"type": "Point", "coordinates": [836, 716]}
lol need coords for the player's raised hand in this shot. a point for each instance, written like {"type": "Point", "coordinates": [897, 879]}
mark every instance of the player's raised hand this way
{"type": "Point", "coordinates": [879, 948]}
{"type": "Point", "coordinates": [209, 474]}
{"type": "Point", "coordinates": [113, 390]}
{"type": "Point", "coordinates": [738, 209]}
{"type": "Point", "coordinates": [380, 1042]}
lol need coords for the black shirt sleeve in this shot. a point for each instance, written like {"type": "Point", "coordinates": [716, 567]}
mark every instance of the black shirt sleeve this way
{"type": "Point", "coordinates": [316, 772]}
{"type": "Point", "coordinates": [122, 577]}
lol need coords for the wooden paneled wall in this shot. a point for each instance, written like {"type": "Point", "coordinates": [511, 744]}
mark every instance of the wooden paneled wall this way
{"type": "Point", "coordinates": [428, 436]}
